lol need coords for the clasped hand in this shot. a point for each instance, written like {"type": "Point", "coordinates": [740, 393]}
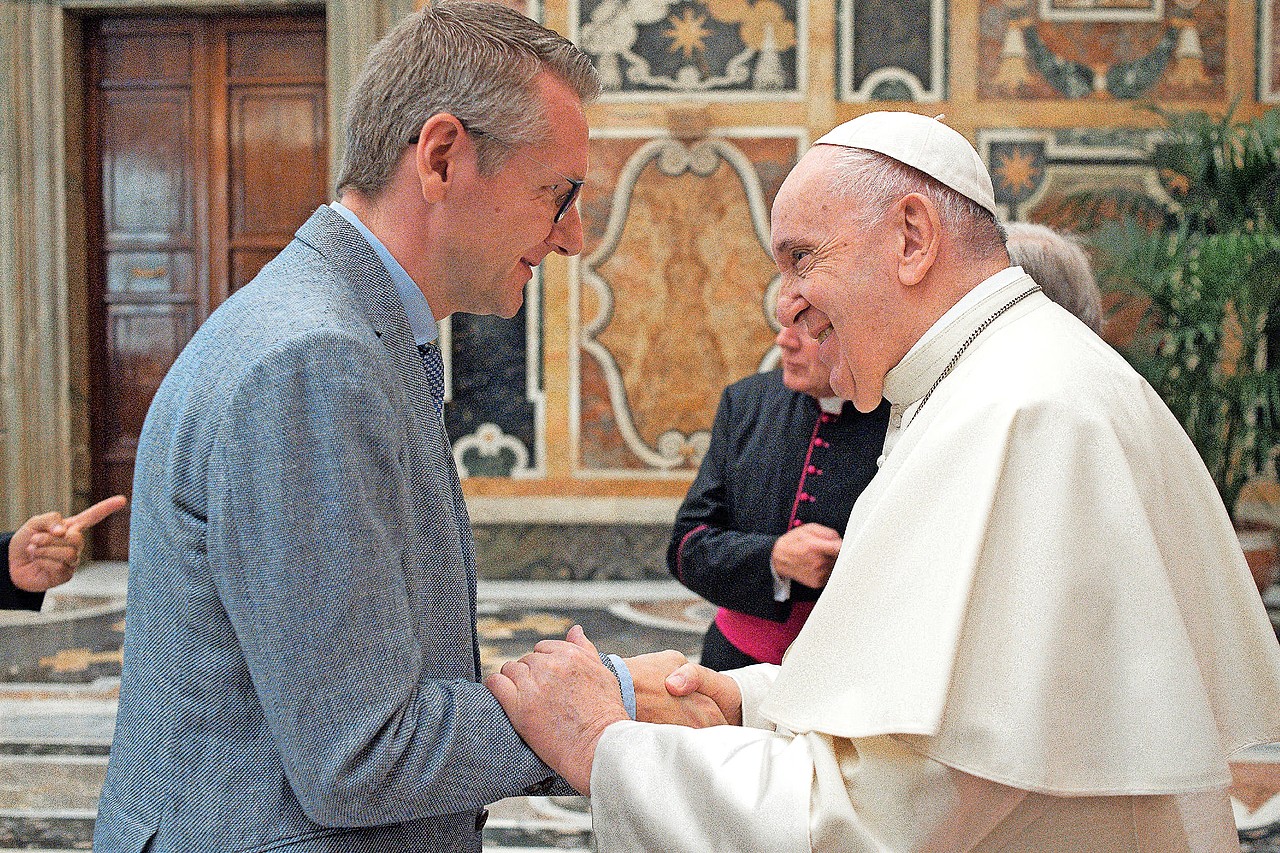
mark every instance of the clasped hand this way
{"type": "Point", "coordinates": [561, 698]}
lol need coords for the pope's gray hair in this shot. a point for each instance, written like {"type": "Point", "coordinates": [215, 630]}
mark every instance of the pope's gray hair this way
{"type": "Point", "coordinates": [473, 60]}
{"type": "Point", "coordinates": [879, 181]}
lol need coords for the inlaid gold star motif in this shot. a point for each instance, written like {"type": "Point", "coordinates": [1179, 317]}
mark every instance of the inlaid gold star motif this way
{"type": "Point", "coordinates": [687, 33]}
{"type": "Point", "coordinates": [1017, 170]}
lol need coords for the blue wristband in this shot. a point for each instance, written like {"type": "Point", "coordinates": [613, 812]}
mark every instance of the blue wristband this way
{"type": "Point", "coordinates": [627, 686]}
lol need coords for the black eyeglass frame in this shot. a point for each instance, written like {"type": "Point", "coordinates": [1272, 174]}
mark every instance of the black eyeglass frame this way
{"type": "Point", "coordinates": [575, 187]}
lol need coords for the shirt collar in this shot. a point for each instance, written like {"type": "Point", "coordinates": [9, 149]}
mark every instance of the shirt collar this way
{"type": "Point", "coordinates": [910, 379]}
{"type": "Point", "coordinates": [421, 320]}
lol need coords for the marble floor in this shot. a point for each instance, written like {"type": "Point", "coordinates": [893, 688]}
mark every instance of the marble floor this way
{"type": "Point", "coordinates": [59, 679]}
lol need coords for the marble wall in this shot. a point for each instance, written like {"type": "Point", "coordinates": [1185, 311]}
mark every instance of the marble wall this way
{"type": "Point", "coordinates": [593, 405]}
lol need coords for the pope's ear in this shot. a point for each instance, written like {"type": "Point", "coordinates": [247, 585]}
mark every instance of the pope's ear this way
{"type": "Point", "coordinates": [919, 237]}
{"type": "Point", "coordinates": [436, 154]}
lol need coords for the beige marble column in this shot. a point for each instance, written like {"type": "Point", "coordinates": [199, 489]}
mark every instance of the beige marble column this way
{"type": "Point", "coordinates": [352, 28]}
{"type": "Point", "coordinates": [35, 415]}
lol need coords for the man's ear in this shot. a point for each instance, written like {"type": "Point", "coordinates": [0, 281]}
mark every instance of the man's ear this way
{"type": "Point", "coordinates": [919, 237]}
{"type": "Point", "coordinates": [437, 154]}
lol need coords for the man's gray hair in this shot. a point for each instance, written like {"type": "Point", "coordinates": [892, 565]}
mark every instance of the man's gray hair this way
{"type": "Point", "coordinates": [878, 181]}
{"type": "Point", "coordinates": [1060, 266]}
{"type": "Point", "coordinates": [473, 60]}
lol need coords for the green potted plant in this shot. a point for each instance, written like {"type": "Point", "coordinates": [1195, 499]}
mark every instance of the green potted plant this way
{"type": "Point", "coordinates": [1207, 273]}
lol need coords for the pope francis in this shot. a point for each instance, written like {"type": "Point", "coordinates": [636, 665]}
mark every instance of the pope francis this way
{"type": "Point", "coordinates": [1040, 634]}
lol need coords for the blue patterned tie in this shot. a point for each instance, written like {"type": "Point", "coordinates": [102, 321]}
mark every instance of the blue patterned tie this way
{"type": "Point", "coordinates": [433, 364]}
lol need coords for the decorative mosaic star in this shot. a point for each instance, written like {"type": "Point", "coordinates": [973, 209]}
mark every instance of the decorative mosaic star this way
{"type": "Point", "coordinates": [687, 33]}
{"type": "Point", "coordinates": [1017, 170]}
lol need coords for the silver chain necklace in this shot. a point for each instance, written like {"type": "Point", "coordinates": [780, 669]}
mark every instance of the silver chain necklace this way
{"type": "Point", "coordinates": [973, 336]}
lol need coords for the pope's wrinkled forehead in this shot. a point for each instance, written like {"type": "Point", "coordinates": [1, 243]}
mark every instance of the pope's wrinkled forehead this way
{"type": "Point", "coordinates": [811, 180]}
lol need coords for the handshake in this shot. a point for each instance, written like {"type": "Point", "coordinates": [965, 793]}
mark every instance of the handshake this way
{"type": "Point", "coordinates": [561, 698]}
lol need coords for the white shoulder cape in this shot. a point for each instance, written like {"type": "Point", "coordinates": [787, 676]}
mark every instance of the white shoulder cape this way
{"type": "Point", "coordinates": [1041, 583]}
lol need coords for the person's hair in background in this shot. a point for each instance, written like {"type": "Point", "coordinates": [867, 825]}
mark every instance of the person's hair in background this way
{"type": "Point", "coordinates": [1058, 264]}
{"type": "Point", "coordinates": [434, 63]}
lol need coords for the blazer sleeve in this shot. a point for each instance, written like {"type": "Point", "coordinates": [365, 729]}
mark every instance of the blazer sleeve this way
{"type": "Point", "coordinates": [11, 597]}
{"type": "Point", "coordinates": [711, 552]}
{"type": "Point", "coordinates": [309, 501]}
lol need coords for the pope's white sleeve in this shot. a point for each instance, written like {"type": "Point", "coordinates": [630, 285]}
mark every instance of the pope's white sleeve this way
{"type": "Point", "coordinates": [669, 789]}
{"type": "Point", "coordinates": [753, 683]}
{"type": "Point", "coordinates": [727, 789]}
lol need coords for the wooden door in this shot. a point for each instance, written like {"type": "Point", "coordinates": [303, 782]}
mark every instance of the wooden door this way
{"type": "Point", "coordinates": [207, 149]}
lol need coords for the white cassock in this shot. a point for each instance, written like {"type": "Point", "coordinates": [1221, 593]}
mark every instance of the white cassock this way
{"type": "Point", "coordinates": [1040, 634]}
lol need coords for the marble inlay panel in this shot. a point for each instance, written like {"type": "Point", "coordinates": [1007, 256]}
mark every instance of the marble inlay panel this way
{"type": "Point", "coordinates": [674, 299]}
{"type": "Point", "coordinates": [495, 408]}
{"type": "Point", "coordinates": [577, 552]}
{"type": "Point", "coordinates": [1101, 49]}
{"type": "Point", "coordinates": [705, 49]}
{"type": "Point", "coordinates": [1036, 173]}
{"type": "Point", "coordinates": [891, 50]}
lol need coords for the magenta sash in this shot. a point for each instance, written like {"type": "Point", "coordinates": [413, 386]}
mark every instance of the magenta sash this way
{"type": "Point", "coordinates": [763, 639]}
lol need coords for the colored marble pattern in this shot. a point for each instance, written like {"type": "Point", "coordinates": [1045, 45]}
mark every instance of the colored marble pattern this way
{"type": "Point", "coordinates": [572, 551]}
{"type": "Point", "coordinates": [72, 651]}
{"type": "Point", "coordinates": [1042, 175]}
{"type": "Point", "coordinates": [675, 283]}
{"type": "Point", "coordinates": [609, 632]}
{"type": "Point", "coordinates": [1070, 10]}
{"type": "Point", "coordinates": [689, 278]}
{"type": "Point", "coordinates": [891, 50]}
{"type": "Point", "coordinates": [48, 834]}
{"type": "Point", "coordinates": [1025, 55]}
{"type": "Point", "coordinates": [493, 409]}
{"type": "Point", "coordinates": [1255, 795]}
{"type": "Point", "coordinates": [697, 48]}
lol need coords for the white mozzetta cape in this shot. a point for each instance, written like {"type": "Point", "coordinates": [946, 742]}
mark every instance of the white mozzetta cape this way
{"type": "Point", "coordinates": [1041, 586]}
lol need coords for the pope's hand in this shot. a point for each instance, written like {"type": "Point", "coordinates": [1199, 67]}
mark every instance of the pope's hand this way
{"type": "Point", "coordinates": [694, 678]}
{"type": "Point", "coordinates": [561, 698]}
{"type": "Point", "coordinates": [656, 704]}
{"type": "Point", "coordinates": [45, 551]}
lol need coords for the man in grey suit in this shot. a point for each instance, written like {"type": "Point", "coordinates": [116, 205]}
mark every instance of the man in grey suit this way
{"type": "Point", "coordinates": [300, 659]}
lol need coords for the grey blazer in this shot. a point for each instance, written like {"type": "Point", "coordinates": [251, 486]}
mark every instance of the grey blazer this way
{"type": "Point", "coordinates": [300, 659]}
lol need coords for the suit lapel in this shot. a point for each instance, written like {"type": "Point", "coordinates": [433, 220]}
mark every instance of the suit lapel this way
{"type": "Point", "coordinates": [344, 247]}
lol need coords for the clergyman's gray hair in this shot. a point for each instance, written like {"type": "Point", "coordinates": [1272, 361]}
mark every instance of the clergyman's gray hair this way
{"type": "Point", "coordinates": [473, 60]}
{"type": "Point", "coordinates": [1060, 266]}
{"type": "Point", "coordinates": [879, 181]}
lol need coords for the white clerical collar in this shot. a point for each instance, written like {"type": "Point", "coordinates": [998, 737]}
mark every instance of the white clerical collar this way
{"type": "Point", "coordinates": [831, 405]}
{"type": "Point", "coordinates": [910, 378]}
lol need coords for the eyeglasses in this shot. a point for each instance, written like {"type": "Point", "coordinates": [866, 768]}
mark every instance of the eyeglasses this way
{"type": "Point", "coordinates": [564, 202]}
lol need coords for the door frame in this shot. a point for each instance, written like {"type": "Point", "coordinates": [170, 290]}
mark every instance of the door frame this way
{"type": "Point", "coordinates": [44, 333]}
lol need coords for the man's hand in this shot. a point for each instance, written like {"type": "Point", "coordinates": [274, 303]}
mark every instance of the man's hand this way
{"type": "Point", "coordinates": [694, 678]}
{"type": "Point", "coordinates": [560, 698]}
{"type": "Point", "coordinates": [45, 551]}
{"type": "Point", "coordinates": [655, 704]}
{"type": "Point", "coordinates": [807, 554]}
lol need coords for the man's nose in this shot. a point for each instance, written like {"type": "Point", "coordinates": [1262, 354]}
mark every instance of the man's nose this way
{"type": "Point", "coordinates": [566, 235]}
